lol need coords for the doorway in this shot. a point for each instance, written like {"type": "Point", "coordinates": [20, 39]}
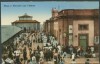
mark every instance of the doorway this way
{"type": "Point", "coordinates": [83, 41]}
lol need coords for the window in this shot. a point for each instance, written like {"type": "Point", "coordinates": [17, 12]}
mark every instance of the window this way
{"type": "Point", "coordinates": [83, 27]}
{"type": "Point", "coordinates": [70, 28]}
{"type": "Point", "coordinates": [70, 39]}
{"type": "Point", "coordinates": [96, 39]}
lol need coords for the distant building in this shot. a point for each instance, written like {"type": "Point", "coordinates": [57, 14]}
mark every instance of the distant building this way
{"type": "Point", "coordinates": [25, 22]}
{"type": "Point", "coordinates": [77, 27]}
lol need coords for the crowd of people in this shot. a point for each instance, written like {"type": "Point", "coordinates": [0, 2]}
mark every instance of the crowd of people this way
{"type": "Point", "coordinates": [21, 50]}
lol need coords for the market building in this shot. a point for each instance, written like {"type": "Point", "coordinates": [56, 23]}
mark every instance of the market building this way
{"type": "Point", "coordinates": [77, 27]}
{"type": "Point", "coordinates": [25, 22]}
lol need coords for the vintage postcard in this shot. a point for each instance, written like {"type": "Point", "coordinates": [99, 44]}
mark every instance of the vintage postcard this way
{"type": "Point", "coordinates": [50, 32]}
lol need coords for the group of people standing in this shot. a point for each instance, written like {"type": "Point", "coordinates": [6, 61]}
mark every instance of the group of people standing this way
{"type": "Point", "coordinates": [22, 51]}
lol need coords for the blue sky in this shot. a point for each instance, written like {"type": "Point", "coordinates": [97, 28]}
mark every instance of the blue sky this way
{"type": "Point", "coordinates": [40, 11]}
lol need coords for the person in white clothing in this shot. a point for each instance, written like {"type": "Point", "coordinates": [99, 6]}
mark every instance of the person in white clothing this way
{"type": "Point", "coordinates": [59, 49]}
{"type": "Point", "coordinates": [34, 59]}
{"type": "Point", "coordinates": [17, 52]}
{"type": "Point", "coordinates": [55, 43]}
{"type": "Point", "coordinates": [41, 54]}
{"type": "Point", "coordinates": [73, 56]}
{"type": "Point", "coordinates": [93, 55]}
{"type": "Point", "coordinates": [92, 49]}
{"type": "Point", "coordinates": [3, 62]}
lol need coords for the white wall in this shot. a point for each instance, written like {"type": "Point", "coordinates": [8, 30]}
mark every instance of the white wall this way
{"type": "Point", "coordinates": [90, 31]}
{"type": "Point", "coordinates": [33, 26]}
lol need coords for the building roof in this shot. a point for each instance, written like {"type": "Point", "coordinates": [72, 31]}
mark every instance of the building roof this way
{"type": "Point", "coordinates": [79, 12]}
{"type": "Point", "coordinates": [79, 9]}
{"type": "Point", "coordinates": [25, 21]}
{"type": "Point", "coordinates": [7, 31]}
{"type": "Point", "coordinates": [25, 16]}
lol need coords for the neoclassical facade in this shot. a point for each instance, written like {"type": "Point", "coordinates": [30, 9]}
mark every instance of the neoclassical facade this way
{"type": "Point", "coordinates": [77, 27]}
